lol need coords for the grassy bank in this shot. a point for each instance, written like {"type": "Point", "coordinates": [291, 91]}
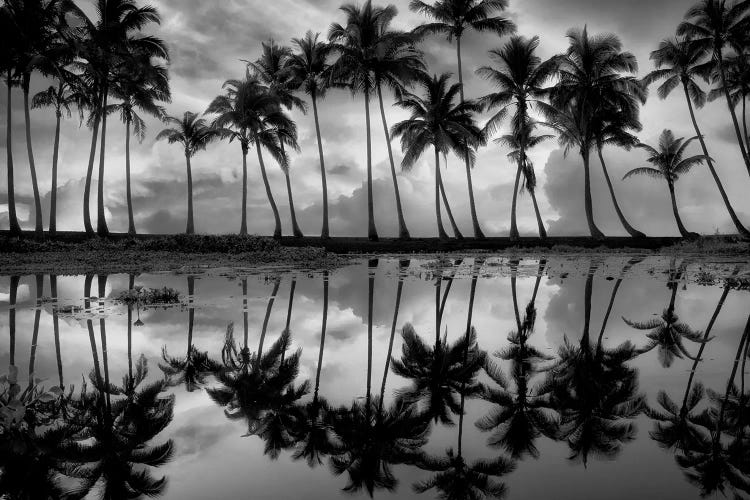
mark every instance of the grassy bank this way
{"type": "Point", "coordinates": [70, 253]}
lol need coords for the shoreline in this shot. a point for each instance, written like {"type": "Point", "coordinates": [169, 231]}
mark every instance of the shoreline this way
{"type": "Point", "coordinates": [75, 253]}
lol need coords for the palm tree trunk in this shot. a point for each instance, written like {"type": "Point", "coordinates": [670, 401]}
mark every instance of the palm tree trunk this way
{"type": "Point", "coordinates": [740, 139]}
{"type": "Point", "coordinates": [447, 292]}
{"type": "Point", "coordinates": [35, 330]}
{"type": "Point", "coordinates": [744, 122]}
{"type": "Point", "coordinates": [296, 231]}
{"type": "Point", "coordinates": [683, 232]}
{"type": "Point", "coordinates": [456, 232]}
{"type": "Point", "coordinates": [513, 224]}
{"type": "Point", "coordinates": [102, 279]}
{"type": "Point", "coordinates": [587, 305]}
{"type": "Point", "coordinates": [399, 289]}
{"type": "Point", "coordinates": [475, 221]}
{"type": "Point", "coordinates": [513, 277]}
{"type": "Point", "coordinates": [542, 230]}
{"type": "Point", "coordinates": [15, 228]}
{"type": "Point", "coordinates": [269, 306]}
{"type": "Point", "coordinates": [441, 231]}
{"type": "Point", "coordinates": [593, 230]}
{"type": "Point", "coordinates": [243, 224]}
{"type": "Point", "coordinates": [706, 336]}
{"type": "Point", "coordinates": [53, 192]}
{"type": "Point", "coordinates": [89, 176]}
{"type": "Point", "coordinates": [39, 225]}
{"type": "Point", "coordinates": [472, 293]}
{"type": "Point", "coordinates": [606, 315]}
{"type": "Point", "coordinates": [128, 192]}
{"type": "Point", "coordinates": [403, 232]}
{"type": "Point", "coordinates": [101, 222]}
{"type": "Point", "coordinates": [372, 232]}
{"type": "Point", "coordinates": [438, 284]}
{"type": "Point", "coordinates": [630, 229]}
{"type": "Point", "coordinates": [190, 224]}
{"type": "Point", "coordinates": [322, 336]}
{"type": "Point", "coordinates": [277, 229]}
{"type": "Point", "coordinates": [12, 317]}
{"type": "Point", "coordinates": [740, 227]}
{"type": "Point", "coordinates": [324, 233]}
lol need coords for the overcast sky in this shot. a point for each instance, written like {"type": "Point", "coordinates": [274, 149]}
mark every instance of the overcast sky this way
{"type": "Point", "coordinates": [207, 41]}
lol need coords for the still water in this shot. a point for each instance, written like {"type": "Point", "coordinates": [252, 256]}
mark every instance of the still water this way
{"type": "Point", "coordinates": [534, 378]}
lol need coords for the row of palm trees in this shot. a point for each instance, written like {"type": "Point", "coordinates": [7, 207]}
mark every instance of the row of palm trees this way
{"type": "Point", "coordinates": [589, 96]}
{"type": "Point", "coordinates": [587, 396]}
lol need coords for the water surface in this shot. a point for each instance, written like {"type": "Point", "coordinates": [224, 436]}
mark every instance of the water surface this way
{"type": "Point", "coordinates": [582, 377]}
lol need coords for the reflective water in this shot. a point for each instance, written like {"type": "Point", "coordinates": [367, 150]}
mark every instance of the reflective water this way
{"type": "Point", "coordinates": [578, 378]}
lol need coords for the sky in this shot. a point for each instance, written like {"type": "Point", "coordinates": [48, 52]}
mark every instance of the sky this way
{"type": "Point", "coordinates": [208, 40]}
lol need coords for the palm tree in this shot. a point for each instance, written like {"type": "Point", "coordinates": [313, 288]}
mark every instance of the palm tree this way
{"type": "Point", "coordinates": [520, 77]}
{"type": "Point", "coordinates": [192, 132]}
{"type": "Point", "coordinates": [193, 368]}
{"type": "Point", "coordinates": [39, 279]}
{"type": "Point", "coordinates": [595, 82]}
{"type": "Point", "coordinates": [452, 18]}
{"type": "Point", "coordinates": [141, 85]}
{"type": "Point", "coordinates": [678, 63]}
{"type": "Point", "coordinates": [8, 67]}
{"type": "Point", "coordinates": [273, 69]}
{"type": "Point", "coordinates": [738, 81]}
{"type": "Point", "coordinates": [108, 42]}
{"type": "Point", "coordinates": [356, 43]}
{"type": "Point", "coordinates": [397, 64]}
{"type": "Point", "coordinates": [35, 25]}
{"type": "Point", "coordinates": [436, 121]}
{"type": "Point", "coordinates": [519, 142]}
{"type": "Point", "coordinates": [61, 98]}
{"type": "Point", "coordinates": [669, 163]}
{"type": "Point", "coordinates": [12, 296]}
{"type": "Point", "coordinates": [56, 329]}
{"type": "Point", "coordinates": [250, 114]}
{"type": "Point", "coordinates": [311, 71]}
{"type": "Point", "coordinates": [713, 25]}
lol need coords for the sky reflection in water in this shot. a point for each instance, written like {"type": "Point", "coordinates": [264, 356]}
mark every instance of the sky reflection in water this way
{"type": "Point", "coordinates": [562, 385]}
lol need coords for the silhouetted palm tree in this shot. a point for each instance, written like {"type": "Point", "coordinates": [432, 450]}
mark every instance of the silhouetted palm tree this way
{"type": "Point", "coordinates": [35, 25]}
{"type": "Point", "coordinates": [61, 98]}
{"type": "Point", "coordinates": [8, 67]}
{"type": "Point", "coordinates": [667, 334]}
{"type": "Point", "coordinates": [311, 71]}
{"type": "Point", "coordinates": [678, 62]}
{"type": "Point", "coordinates": [141, 85]}
{"type": "Point", "coordinates": [196, 365]}
{"type": "Point", "coordinates": [355, 43]}
{"type": "Point", "coordinates": [192, 132]}
{"type": "Point", "coordinates": [595, 81]}
{"type": "Point", "coordinates": [108, 42]}
{"type": "Point", "coordinates": [273, 69]}
{"type": "Point", "coordinates": [595, 393]}
{"type": "Point", "coordinates": [250, 114]}
{"type": "Point", "coordinates": [56, 328]}
{"type": "Point", "coordinates": [669, 163]}
{"type": "Point", "coordinates": [452, 18]}
{"type": "Point", "coordinates": [519, 78]}
{"type": "Point", "coordinates": [39, 279]}
{"type": "Point", "coordinates": [435, 121]}
{"type": "Point", "coordinates": [12, 297]}
{"type": "Point", "coordinates": [713, 25]}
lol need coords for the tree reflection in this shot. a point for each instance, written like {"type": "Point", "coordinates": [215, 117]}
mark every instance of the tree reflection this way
{"type": "Point", "coordinates": [196, 365]}
{"type": "Point", "coordinates": [521, 412]}
{"type": "Point", "coordinates": [667, 334]}
{"type": "Point", "coordinates": [454, 478]}
{"type": "Point", "coordinates": [374, 437]}
{"type": "Point", "coordinates": [595, 392]}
